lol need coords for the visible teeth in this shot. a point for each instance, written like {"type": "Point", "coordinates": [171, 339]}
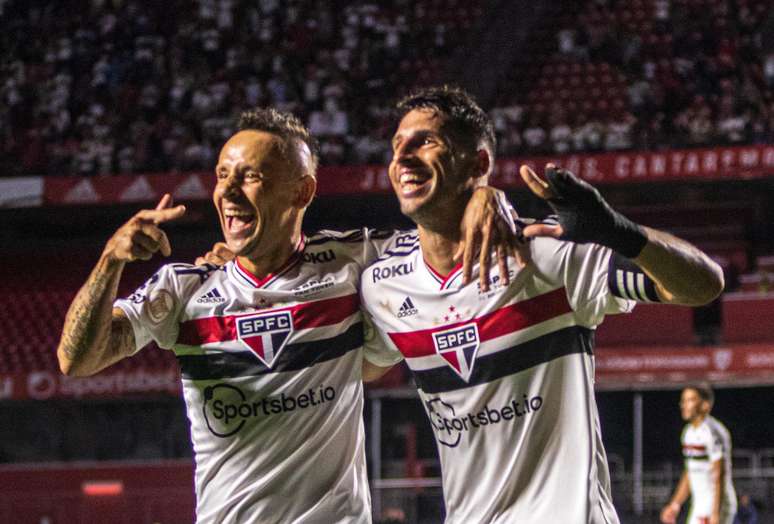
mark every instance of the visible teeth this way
{"type": "Point", "coordinates": [230, 214]}
{"type": "Point", "coordinates": [410, 178]}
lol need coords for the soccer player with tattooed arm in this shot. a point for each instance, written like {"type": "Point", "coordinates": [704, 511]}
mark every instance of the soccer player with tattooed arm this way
{"type": "Point", "coordinates": [506, 371]}
{"type": "Point", "coordinates": [272, 346]}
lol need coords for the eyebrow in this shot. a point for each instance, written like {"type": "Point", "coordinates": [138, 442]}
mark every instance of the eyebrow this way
{"type": "Point", "coordinates": [421, 133]}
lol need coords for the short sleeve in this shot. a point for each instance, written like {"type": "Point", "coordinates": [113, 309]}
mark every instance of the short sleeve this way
{"type": "Point", "coordinates": [715, 448]}
{"type": "Point", "coordinates": [376, 349]}
{"type": "Point", "coordinates": [585, 275]}
{"type": "Point", "coordinates": [153, 310]}
{"type": "Point", "coordinates": [378, 242]}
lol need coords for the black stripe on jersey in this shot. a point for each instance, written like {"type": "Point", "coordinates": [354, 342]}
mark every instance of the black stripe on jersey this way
{"type": "Point", "coordinates": [697, 457]}
{"type": "Point", "coordinates": [488, 368]}
{"type": "Point", "coordinates": [292, 358]}
{"type": "Point", "coordinates": [625, 279]}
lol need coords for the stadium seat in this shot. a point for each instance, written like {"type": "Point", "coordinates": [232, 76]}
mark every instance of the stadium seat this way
{"type": "Point", "coordinates": [648, 324]}
{"type": "Point", "coordinates": [748, 317]}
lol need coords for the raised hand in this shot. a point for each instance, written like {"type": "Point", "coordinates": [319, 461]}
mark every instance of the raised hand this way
{"type": "Point", "coordinates": [582, 213]}
{"type": "Point", "coordinates": [141, 237]}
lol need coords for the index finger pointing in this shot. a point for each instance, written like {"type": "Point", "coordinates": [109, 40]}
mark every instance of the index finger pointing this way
{"type": "Point", "coordinates": [158, 216]}
{"type": "Point", "coordinates": [170, 213]}
{"type": "Point", "coordinates": [165, 202]}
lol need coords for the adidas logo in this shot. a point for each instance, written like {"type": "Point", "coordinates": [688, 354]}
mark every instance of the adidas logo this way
{"type": "Point", "coordinates": [407, 309]}
{"type": "Point", "coordinates": [211, 297]}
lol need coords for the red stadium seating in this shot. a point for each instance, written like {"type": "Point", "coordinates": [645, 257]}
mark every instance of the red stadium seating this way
{"type": "Point", "coordinates": [648, 324]}
{"type": "Point", "coordinates": [748, 317]}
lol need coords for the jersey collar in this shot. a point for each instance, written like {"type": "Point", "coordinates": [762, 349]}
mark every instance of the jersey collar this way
{"type": "Point", "coordinates": [247, 278]}
{"type": "Point", "coordinates": [447, 281]}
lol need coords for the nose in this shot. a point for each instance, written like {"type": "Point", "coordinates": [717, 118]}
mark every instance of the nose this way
{"type": "Point", "coordinates": [232, 185]}
{"type": "Point", "coordinates": [404, 151]}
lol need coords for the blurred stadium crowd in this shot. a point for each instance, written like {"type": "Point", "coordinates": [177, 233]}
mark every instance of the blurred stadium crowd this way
{"type": "Point", "coordinates": [124, 86]}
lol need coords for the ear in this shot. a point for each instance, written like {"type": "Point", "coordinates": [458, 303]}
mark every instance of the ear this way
{"type": "Point", "coordinates": [483, 163]}
{"type": "Point", "coordinates": [305, 190]}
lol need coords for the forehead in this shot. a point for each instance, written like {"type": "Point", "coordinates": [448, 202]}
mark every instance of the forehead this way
{"type": "Point", "coordinates": [690, 394]}
{"type": "Point", "coordinates": [422, 119]}
{"type": "Point", "coordinates": [253, 147]}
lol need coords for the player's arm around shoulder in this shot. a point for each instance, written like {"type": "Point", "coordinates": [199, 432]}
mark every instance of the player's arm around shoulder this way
{"type": "Point", "coordinates": [95, 334]}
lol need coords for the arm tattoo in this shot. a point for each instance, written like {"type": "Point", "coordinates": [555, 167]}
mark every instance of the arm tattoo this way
{"type": "Point", "coordinates": [88, 322]}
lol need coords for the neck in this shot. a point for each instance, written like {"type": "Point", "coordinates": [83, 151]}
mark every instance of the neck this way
{"type": "Point", "coordinates": [266, 259]}
{"type": "Point", "coordinates": [698, 420]}
{"type": "Point", "coordinates": [440, 233]}
{"type": "Point", "coordinates": [438, 248]}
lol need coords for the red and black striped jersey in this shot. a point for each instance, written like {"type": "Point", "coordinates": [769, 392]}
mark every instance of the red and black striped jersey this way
{"type": "Point", "coordinates": [271, 372]}
{"type": "Point", "coordinates": [506, 377]}
{"type": "Point", "coordinates": [704, 444]}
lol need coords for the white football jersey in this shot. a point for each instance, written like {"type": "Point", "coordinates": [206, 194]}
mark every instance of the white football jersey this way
{"type": "Point", "coordinates": [271, 373]}
{"type": "Point", "coordinates": [702, 445]}
{"type": "Point", "coordinates": [506, 378]}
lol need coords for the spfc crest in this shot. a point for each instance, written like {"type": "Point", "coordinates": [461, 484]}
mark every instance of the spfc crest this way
{"type": "Point", "coordinates": [265, 334]}
{"type": "Point", "coordinates": [458, 346]}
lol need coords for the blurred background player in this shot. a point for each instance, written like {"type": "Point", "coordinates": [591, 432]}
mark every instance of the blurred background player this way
{"type": "Point", "coordinates": [506, 375]}
{"type": "Point", "coordinates": [707, 477]}
{"type": "Point", "coordinates": [270, 346]}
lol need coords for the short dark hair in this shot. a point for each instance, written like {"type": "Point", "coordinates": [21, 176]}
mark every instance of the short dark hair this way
{"type": "Point", "coordinates": [704, 391]}
{"type": "Point", "coordinates": [464, 116]}
{"type": "Point", "coordinates": [285, 125]}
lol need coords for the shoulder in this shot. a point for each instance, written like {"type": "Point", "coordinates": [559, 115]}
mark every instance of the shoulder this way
{"type": "Point", "coordinates": [327, 237]}
{"type": "Point", "coordinates": [404, 245]}
{"type": "Point", "coordinates": [716, 427]}
{"type": "Point", "coordinates": [399, 260]}
{"type": "Point", "coordinates": [182, 277]}
{"type": "Point", "coordinates": [172, 285]}
{"type": "Point", "coordinates": [351, 240]}
{"type": "Point", "coordinates": [355, 237]}
{"type": "Point", "coordinates": [183, 270]}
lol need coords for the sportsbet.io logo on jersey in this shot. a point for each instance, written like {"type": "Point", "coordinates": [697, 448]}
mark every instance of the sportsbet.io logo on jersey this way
{"type": "Point", "coordinates": [226, 408]}
{"type": "Point", "coordinates": [265, 334]}
{"type": "Point", "coordinates": [450, 427]}
{"type": "Point", "coordinates": [458, 347]}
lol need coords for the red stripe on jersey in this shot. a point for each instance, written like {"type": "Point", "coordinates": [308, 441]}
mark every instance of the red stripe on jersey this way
{"type": "Point", "coordinates": [695, 447]}
{"type": "Point", "coordinates": [504, 321]}
{"type": "Point", "coordinates": [444, 280]}
{"type": "Point", "coordinates": [305, 315]}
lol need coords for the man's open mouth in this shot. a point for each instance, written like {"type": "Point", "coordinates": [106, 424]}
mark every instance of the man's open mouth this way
{"type": "Point", "coordinates": [413, 183]}
{"type": "Point", "coordinates": [238, 222]}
